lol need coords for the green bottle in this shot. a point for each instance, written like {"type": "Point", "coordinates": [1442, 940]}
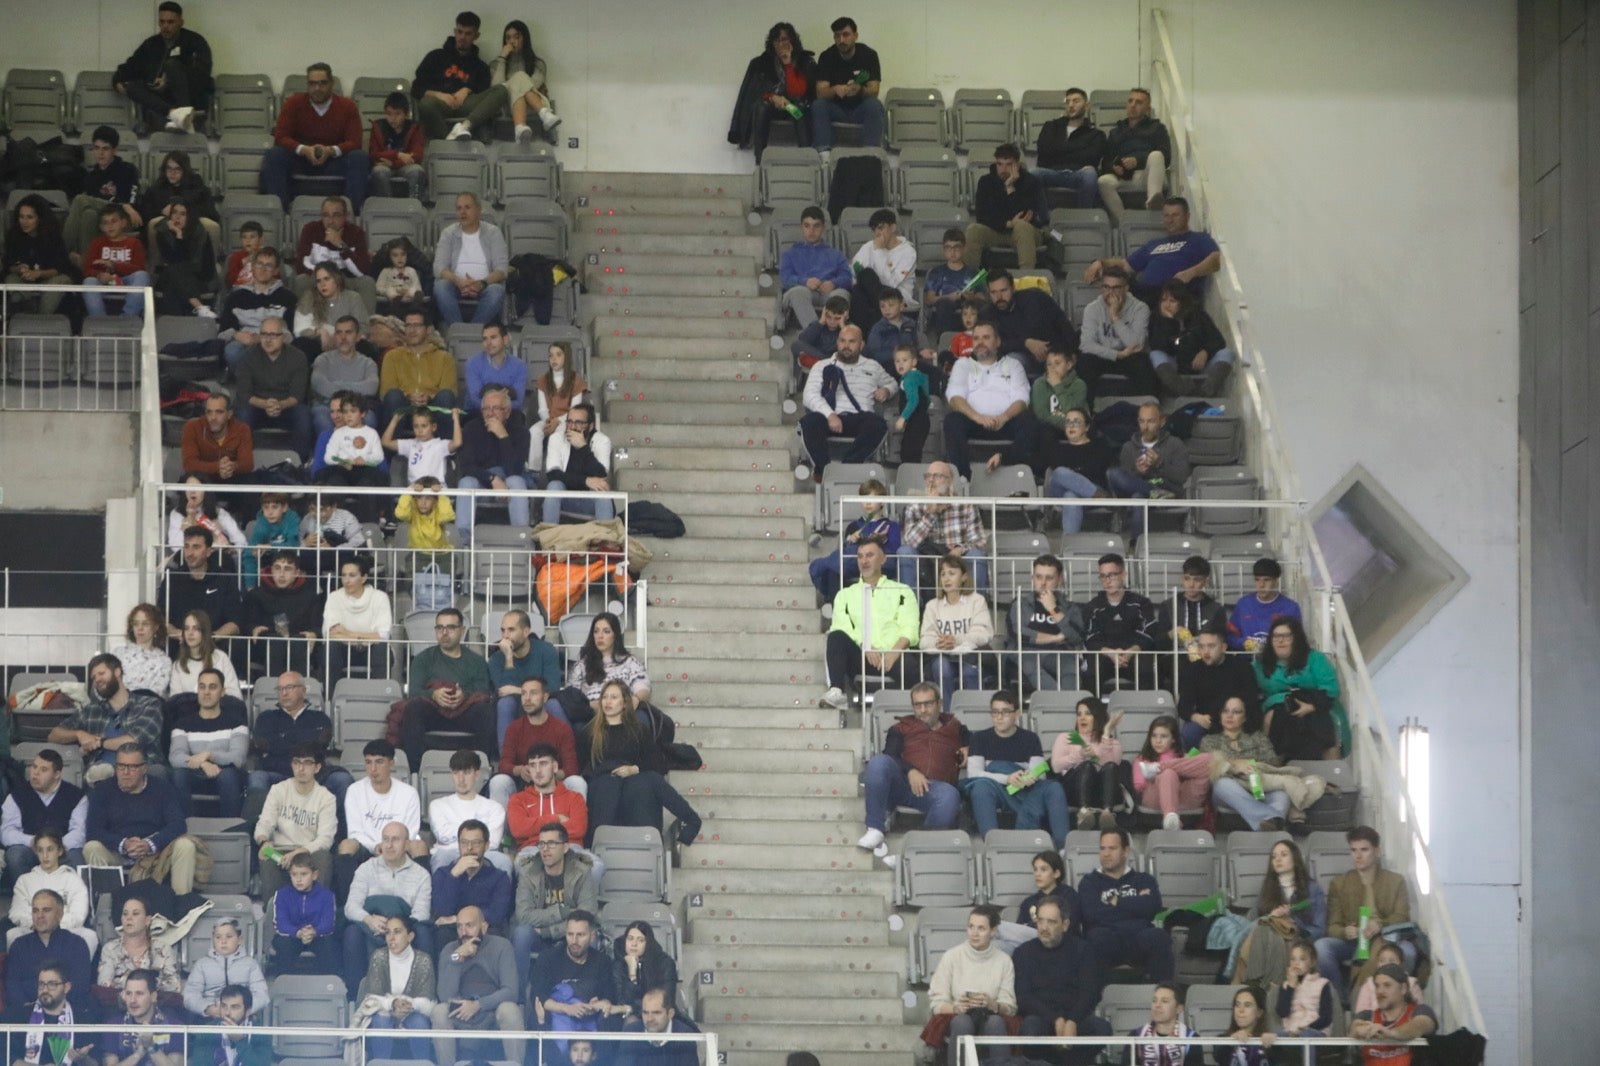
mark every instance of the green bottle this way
{"type": "Point", "coordinates": [1363, 942]}
{"type": "Point", "coordinates": [978, 279]}
{"type": "Point", "coordinates": [271, 854]}
{"type": "Point", "coordinates": [794, 110]}
{"type": "Point", "coordinates": [1255, 782]}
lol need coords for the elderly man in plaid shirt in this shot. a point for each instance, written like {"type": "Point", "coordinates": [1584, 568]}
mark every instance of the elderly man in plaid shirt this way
{"type": "Point", "coordinates": [938, 529]}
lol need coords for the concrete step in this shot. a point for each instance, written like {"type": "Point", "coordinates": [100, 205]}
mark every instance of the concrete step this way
{"type": "Point", "coordinates": [842, 1008]}
{"type": "Point", "coordinates": [766, 484]}
{"type": "Point", "coordinates": [705, 435]}
{"type": "Point", "coordinates": [638, 325]}
{"type": "Point", "coordinates": [825, 1038]}
{"type": "Point", "coordinates": [803, 857]}
{"type": "Point", "coordinates": [787, 932]}
{"type": "Point", "coordinates": [801, 649]}
{"type": "Point", "coordinates": [784, 504]}
{"type": "Point", "coordinates": [737, 597]}
{"type": "Point", "coordinates": [604, 183]}
{"type": "Point", "coordinates": [832, 884]}
{"type": "Point", "coordinates": [650, 457]}
{"type": "Point", "coordinates": [778, 760]}
{"type": "Point", "coordinates": [736, 694]}
{"type": "Point", "coordinates": [692, 549]}
{"type": "Point", "coordinates": [801, 718]}
{"type": "Point", "coordinates": [650, 354]}
{"type": "Point", "coordinates": [661, 412]}
{"type": "Point", "coordinates": [591, 240]}
{"type": "Point", "coordinates": [616, 264]}
{"type": "Point", "coordinates": [680, 285]}
{"type": "Point", "coordinates": [748, 308]}
{"type": "Point", "coordinates": [604, 226]}
{"type": "Point", "coordinates": [741, 366]}
{"type": "Point", "coordinates": [646, 396]}
{"type": "Point", "coordinates": [753, 904]}
{"type": "Point", "coordinates": [751, 575]}
{"type": "Point", "coordinates": [670, 620]}
{"type": "Point", "coordinates": [687, 673]}
{"type": "Point", "coordinates": [747, 832]}
{"type": "Point", "coordinates": [798, 743]}
{"type": "Point", "coordinates": [612, 204]}
{"type": "Point", "coordinates": [776, 783]}
{"type": "Point", "coordinates": [767, 529]}
{"type": "Point", "coordinates": [789, 810]}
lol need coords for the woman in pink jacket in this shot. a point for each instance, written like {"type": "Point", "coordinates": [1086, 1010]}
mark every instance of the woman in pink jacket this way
{"type": "Point", "coordinates": [1163, 778]}
{"type": "Point", "coordinates": [1088, 762]}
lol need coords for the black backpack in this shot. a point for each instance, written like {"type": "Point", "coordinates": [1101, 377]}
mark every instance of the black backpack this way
{"type": "Point", "coordinates": [647, 519]}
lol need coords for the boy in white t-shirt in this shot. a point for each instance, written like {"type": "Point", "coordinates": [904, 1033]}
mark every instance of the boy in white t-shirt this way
{"type": "Point", "coordinates": [446, 813]}
{"type": "Point", "coordinates": [426, 455]}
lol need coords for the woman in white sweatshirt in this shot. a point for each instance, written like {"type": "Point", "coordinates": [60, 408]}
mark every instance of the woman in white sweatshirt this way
{"type": "Point", "coordinates": [65, 881]}
{"type": "Point", "coordinates": [954, 626]}
{"type": "Point", "coordinates": [356, 622]}
{"type": "Point", "coordinates": [974, 975]}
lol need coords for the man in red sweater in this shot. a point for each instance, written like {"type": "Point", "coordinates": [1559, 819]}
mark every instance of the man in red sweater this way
{"type": "Point", "coordinates": [218, 447]}
{"type": "Point", "coordinates": [536, 726]}
{"type": "Point", "coordinates": [318, 133]}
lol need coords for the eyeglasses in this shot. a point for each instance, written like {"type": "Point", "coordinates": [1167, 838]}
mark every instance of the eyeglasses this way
{"type": "Point", "coordinates": [1001, 713]}
{"type": "Point", "coordinates": [130, 766]}
{"type": "Point", "coordinates": [302, 761]}
{"type": "Point", "coordinates": [444, 628]}
{"type": "Point", "coordinates": [1107, 575]}
{"type": "Point", "coordinates": [273, 333]}
{"type": "Point", "coordinates": [50, 984]}
{"type": "Point", "coordinates": [925, 703]}
{"type": "Point", "coordinates": [550, 843]}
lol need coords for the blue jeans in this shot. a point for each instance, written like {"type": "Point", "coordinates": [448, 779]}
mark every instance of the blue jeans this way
{"type": "Point", "coordinates": [228, 785]}
{"type": "Point", "coordinates": [382, 1047]}
{"type": "Point", "coordinates": [953, 672]}
{"type": "Point", "coordinates": [447, 298]}
{"type": "Point", "coordinates": [1084, 183]}
{"type": "Point", "coordinates": [1065, 482]}
{"type": "Point", "coordinates": [1334, 951]}
{"type": "Point", "coordinates": [517, 505]}
{"type": "Point", "coordinates": [887, 787]}
{"type": "Point", "coordinates": [1133, 487]}
{"type": "Point", "coordinates": [866, 110]}
{"type": "Point", "coordinates": [280, 163]}
{"type": "Point", "coordinates": [1042, 805]}
{"type": "Point", "coordinates": [1235, 794]}
{"type": "Point", "coordinates": [601, 508]}
{"type": "Point", "coordinates": [1221, 355]}
{"type": "Point", "coordinates": [297, 420]}
{"type": "Point", "coordinates": [525, 943]}
{"type": "Point", "coordinates": [132, 302]}
{"type": "Point", "coordinates": [974, 556]}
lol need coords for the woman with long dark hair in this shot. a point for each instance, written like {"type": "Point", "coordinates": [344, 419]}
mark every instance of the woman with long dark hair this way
{"type": "Point", "coordinates": [322, 305]}
{"type": "Point", "coordinates": [779, 86]}
{"type": "Point", "coordinates": [1300, 695]}
{"type": "Point", "coordinates": [1184, 340]}
{"type": "Point", "coordinates": [605, 657]}
{"type": "Point", "coordinates": [640, 965]}
{"type": "Point", "coordinates": [618, 758]}
{"type": "Point", "coordinates": [520, 69]}
{"type": "Point", "coordinates": [176, 182]}
{"type": "Point", "coordinates": [1088, 762]}
{"type": "Point", "coordinates": [186, 263]}
{"type": "Point", "coordinates": [196, 507]}
{"type": "Point", "coordinates": [36, 253]}
{"type": "Point", "coordinates": [1291, 907]}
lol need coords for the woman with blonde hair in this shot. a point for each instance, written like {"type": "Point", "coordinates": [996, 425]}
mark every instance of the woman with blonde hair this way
{"type": "Point", "coordinates": [618, 757]}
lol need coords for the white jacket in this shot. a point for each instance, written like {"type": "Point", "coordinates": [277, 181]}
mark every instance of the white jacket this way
{"type": "Point", "coordinates": [967, 620]}
{"type": "Point", "coordinates": [557, 450]}
{"type": "Point", "coordinates": [896, 267]}
{"type": "Point", "coordinates": [366, 812]}
{"type": "Point", "coordinates": [862, 378]}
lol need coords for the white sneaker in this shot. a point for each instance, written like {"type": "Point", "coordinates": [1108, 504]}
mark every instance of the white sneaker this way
{"type": "Point", "coordinates": [524, 134]}
{"type": "Point", "coordinates": [175, 118]}
{"type": "Point", "coordinates": [827, 155]}
{"type": "Point", "coordinates": [1171, 821]}
{"type": "Point", "coordinates": [459, 132]}
{"type": "Point", "coordinates": [827, 612]}
{"type": "Point", "coordinates": [549, 120]}
{"type": "Point", "coordinates": [204, 312]}
{"type": "Point", "coordinates": [871, 840]}
{"type": "Point", "coordinates": [836, 699]}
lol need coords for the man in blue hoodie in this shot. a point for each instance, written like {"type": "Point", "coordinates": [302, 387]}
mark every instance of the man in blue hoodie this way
{"type": "Point", "coordinates": [1118, 904]}
{"type": "Point", "coordinates": [810, 269]}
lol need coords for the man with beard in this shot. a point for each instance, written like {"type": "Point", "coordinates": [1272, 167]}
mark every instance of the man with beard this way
{"type": "Point", "coordinates": [1070, 150]}
{"type": "Point", "coordinates": [1029, 322]}
{"type": "Point", "coordinates": [139, 1043]}
{"type": "Point", "coordinates": [49, 1039]}
{"type": "Point", "coordinates": [113, 717]}
{"type": "Point", "coordinates": [841, 397]}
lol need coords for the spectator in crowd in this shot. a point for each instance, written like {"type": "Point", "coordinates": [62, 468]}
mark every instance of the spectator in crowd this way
{"type": "Point", "coordinates": [1184, 341]}
{"type": "Point", "coordinates": [519, 72]}
{"type": "Point", "coordinates": [197, 507]}
{"type": "Point", "coordinates": [840, 397]}
{"type": "Point", "coordinates": [378, 799]}
{"type": "Point", "coordinates": [847, 80]}
{"type": "Point", "coordinates": [477, 986]}
{"type": "Point", "coordinates": [47, 805]}
{"type": "Point", "coordinates": [283, 615]}
{"type": "Point", "coordinates": [1384, 953]}
{"type": "Point", "coordinates": [419, 372]}
{"type": "Point", "coordinates": [224, 966]}
{"type": "Point", "coordinates": [894, 329]}
{"type": "Point", "coordinates": [448, 814]}
{"type": "Point", "coordinates": [449, 689]}
{"type": "Point", "coordinates": [1009, 209]}
{"type": "Point", "coordinates": [1368, 887]}
{"type": "Point", "coordinates": [521, 748]}
{"type": "Point", "coordinates": [115, 258]}
{"type": "Point", "coordinates": [275, 526]}
{"type": "Point", "coordinates": [496, 365]}
{"type": "Point", "coordinates": [624, 771]}
{"type": "Point", "coordinates": [1241, 746]}
{"type": "Point", "coordinates": [973, 980]}
{"type": "Point", "coordinates": [553, 882]}
{"type": "Point", "coordinates": [1182, 615]}
{"type": "Point", "coordinates": [887, 261]}
{"type": "Point", "coordinates": [1058, 982]}
{"type": "Point", "coordinates": [1305, 997]}
{"type": "Point", "coordinates": [913, 422]}
{"type": "Point", "coordinates": [874, 623]}
{"type": "Point", "coordinates": [956, 627]}
{"type": "Point", "coordinates": [327, 299]}
{"type": "Point", "coordinates": [948, 285]}
{"type": "Point", "coordinates": [114, 717]}
{"type": "Point", "coordinates": [184, 263]}
{"type": "Point", "coordinates": [177, 182]}
{"type": "Point", "coordinates": [47, 872]}
{"type": "Point", "coordinates": [135, 949]}
{"type": "Point", "coordinates": [559, 387]}
{"type": "Point", "coordinates": [1056, 392]}
{"type": "Point", "coordinates": [657, 1016]}
{"type": "Point", "coordinates": [820, 339]}
{"type": "Point", "coordinates": [399, 284]}
{"type": "Point", "coordinates": [452, 84]}
{"type": "Point", "coordinates": [272, 380]}
{"type": "Point", "coordinates": [1181, 254]}
{"type": "Point", "coordinates": [1078, 466]}
{"type": "Point", "coordinates": [922, 754]}
{"type": "Point", "coordinates": [470, 263]}
{"type": "Point", "coordinates": [1165, 778]}
{"type": "Point", "coordinates": [111, 180]}
{"type": "Point", "coordinates": [944, 528]}
{"type": "Point", "coordinates": [341, 244]}
{"type": "Point", "coordinates": [197, 650]}
{"type": "Point", "coordinates": [280, 730]}
{"type": "Point", "coordinates": [493, 446]}
{"type": "Point", "coordinates": [303, 921]}
{"type": "Point", "coordinates": [1070, 149]}
{"type": "Point", "coordinates": [471, 880]}
{"type": "Point", "coordinates": [549, 798]}
{"type": "Point", "coordinates": [589, 997]}
{"type": "Point", "coordinates": [811, 269]}
{"type": "Point", "coordinates": [238, 271]}
{"type": "Point", "coordinates": [1115, 333]}
{"type": "Point", "coordinates": [579, 460]}
{"type": "Point", "coordinates": [1138, 142]}
{"type": "Point", "coordinates": [520, 655]}
{"type": "Point", "coordinates": [210, 744]}
{"type": "Point", "coordinates": [605, 657]}
{"type": "Point", "coordinates": [1027, 321]}
{"type": "Point", "coordinates": [829, 572]}
{"type": "Point", "coordinates": [1044, 624]}
{"type": "Point", "coordinates": [395, 147]}
{"type": "Point", "coordinates": [641, 966]}
{"type": "Point", "coordinates": [1154, 465]}
{"type": "Point", "coordinates": [53, 1008]}
{"type": "Point", "coordinates": [1250, 1026]}
{"type": "Point", "coordinates": [389, 873]}
{"type": "Point", "coordinates": [299, 816]}
{"type": "Point", "coordinates": [1009, 754]}
{"type": "Point", "coordinates": [234, 1043]}
{"type": "Point", "coordinates": [1166, 1022]}
{"type": "Point", "coordinates": [131, 1047]}
{"type": "Point", "coordinates": [217, 446]}
{"type": "Point", "coordinates": [36, 254]}
{"type": "Point", "coordinates": [988, 397]}
{"type": "Point", "coordinates": [1291, 909]}
{"type": "Point", "coordinates": [1252, 615]}
{"type": "Point", "coordinates": [1118, 903]}
{"type": "Point", "coordinates": [1049, 883]}
{"type": "Point", "coordinates": [356, 622]}
{"type": "Point", "coordinates": [1300, 695]}
{"type": "Point", "coordinates": [246, 309]}
{"type": "Point", "coordinates": [1088, 761]}
{"type": "Point", "coordinates": [47, 943]}
{"type": "Point", "coordinates": [191, 585]}
{"type": "Point", "coordinates": [405, 979]}
{"type": "Point", "coordinates": [1396, 1019]}
{"type": "Point", "coordinates": [144, 654]}
{"type": "Point", "coordinates": [169, 75]}
{"type": "Point", "coordinates": [1206, 683]}
{"type": "Point", "coordinates": [779, 86]}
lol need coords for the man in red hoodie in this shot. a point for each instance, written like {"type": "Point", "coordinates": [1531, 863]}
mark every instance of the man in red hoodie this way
{"type": "Point", "coordinates": [536, 726]}
{"type": "Point", "coordinates": [546, 799]}
{"type": "Point", "coordinates": [318, 133]}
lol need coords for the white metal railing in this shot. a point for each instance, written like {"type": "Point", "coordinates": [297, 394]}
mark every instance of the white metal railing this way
{"type": "Point", "coordinates": [43, 367]}
{"type": "Point", "coordinates": [1405, 848]}
{"type": "Point", "coordinates": [1306, 1046]}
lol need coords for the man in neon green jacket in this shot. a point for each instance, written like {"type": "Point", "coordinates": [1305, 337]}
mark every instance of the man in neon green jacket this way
{"type": "Point", "coordinates": [890, 609]}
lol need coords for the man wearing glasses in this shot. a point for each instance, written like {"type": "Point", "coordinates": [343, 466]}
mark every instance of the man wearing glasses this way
{"type": "Point", "coordinates": [49, 1037]}
{"type": "Point", "coordinates": [319, 134]}
{"type": "Point", "coordinates": [1009, 752]}
{"type": "Point", "coordinates": [273, 378]}
{"type": "Point", "coordinates": [136, 822]}
{"type": "Point", "coordinates": [939, 529]}
{"type": "Point", "coordinates": [551, 884]}
{"type": "Point", "coordinates": [1115, 334]}
{"type": "Point", "coordinates": [922, 756]}
{"type": "Point", "coordinates": [246, 308]}
{"type": "Point", "coordinates": [450, 691]}
{"type": "Point", "coordinates": [1121, 625]}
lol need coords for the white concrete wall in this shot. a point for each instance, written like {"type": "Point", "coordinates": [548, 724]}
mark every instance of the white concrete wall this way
{"type": "Point", "coordinates": [89, 462]}
{"type": "Point", "coordinates": [1363, 164]}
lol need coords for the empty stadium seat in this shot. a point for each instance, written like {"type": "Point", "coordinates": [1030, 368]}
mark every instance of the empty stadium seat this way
{"type": "Point", "coordinates": [230, 853]}
{"type": "Point", "coordinates": [916, 117]}
{"type": "Point", "coordinates": [1156, 567]}
{"type": "Point", "coordinates": [1216, 440]}
{"type": "Point", "coordinates": [455, 167]}
{"type": "Point", "coordinates": [636, 863]}
{"type": "Point", "coordinates": [938, 930]}
{"type": "Point", "coordinates": [936, 869]}
{"type": "Point", "coordinates": [308, 1001]}
{"type": "Point", "coordinates": [526, 172]}
{"type": "Point", "coordinates": [237, 171]}
{"type": "Point", "coordinates": [1015, 480]}
{"type": "Point", "coordinates": [981, 116]}
{"type": "Point", "coordinates": [243, 104]}
{"type": "Point", "coordinates": [789, 179]}
{"type": "Point", "coordinates": [1246, 860]}
{"type": "Point", "coordinates": [386, 218]}
{"type": "Point", "coordinates": [1054, 713]}
{"type": "Point", "coordinates": [537, 226]}
{"type": "Point", "coordinates": [34, 102]}
{"type": "Point", "coordinates": [1085, 235]}
{"type": "Point", "coordinates": [1005, 875]}
{"type": "Point", "coordinates": [1327, 855]}
{"type": "Point", "coordinates": [928, 175]}
{"type": "Point", "coordinates": [108, 350]}
{"type": "Point", "coordinates": [360, 713]}
{"type": "Point", "coordinates": [1224, 483]}
{"type": "Point", "coordinates": [96, 102]}
{"type": "Point", "coordinates": [1035, 107]}
{"type": "Point", "coordinates": [504, 564]}
{"type": "Point", "coordinates": [1184, 863]}
{"type": "Point", "coordinates": [38, 349]}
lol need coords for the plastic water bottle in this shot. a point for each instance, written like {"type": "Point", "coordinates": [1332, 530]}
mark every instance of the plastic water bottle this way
{"type": "Point", "coordinates": [1255, 783]}
{"type": "Point", "coordinates": [1363, 942]}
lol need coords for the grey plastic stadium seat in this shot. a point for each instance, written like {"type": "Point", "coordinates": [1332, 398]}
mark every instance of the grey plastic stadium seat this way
{"type": "Point", "coordinates": [1054, 713]}
{"type": "Point", "coordinates": [1085, 236]}
{"type": "Point", "coordinates": [387, 217]}
{"type": "Point", "coordinates": [95, 102]}
{"type": "Point", "coordinates": [1003, 482]}
{"type": "Point", "coordinates": [526, 173]}
{"type": "Point", "coordinates": [369, 94]}
{"type": "Point", "coordinates": [1336, 809]}
{"type": "Point", "coordinates": [230, 854]}
{"type": "Point", "coordinates": [971, 708]}
{"type": "Point", "coordinates": [1327, 855]}
{"type": "Point", "coordinates": [916, 117]}
{"type": "Point", "coordinates": [237, 168]}
{"type": "Point", "coordinates": [636, 863]}
{"type": "Point", "coordinates": [1246, 860]}
{"type": "Point", "coordinates": [936, 869]}
{"type": "Point", "coordinates": [1081, 853]}
{"type": "Point", "coordinates": [1225, 483]}
{"type": "Point", "coordinates": [1035, 107]}
{"type": "Point", "coordinates": [455, 167]}
{"type": "Point", "coordinates": [243, 103]}
{"type": "Point", "coordinates": [928, 174]}
{"type": "Point", "coordinates": [1126, 1007]}
{"type": "Point", "coordinates": [1185, 863]}
{"type": "Point", "coordinates": [361, 709]}
{"type": "Point", "coordinates": [504, 564]}
{"type": "Point", "coordinates": [307, 1001]}
{"type": "Point", "coordinates": [1006, 863]}
{"type": "Point", "coordinates": [981, 116]}
{"type": "Point", "coordinates": [34, 102]}
{"type": "Point", "coordinates": [789, 179]}
{"type": "Point", "coordinates": [926, 228]}
{"type": "Point", "coordinates": [241, 207]}
{"type": "Point", "coordinates": [239, 907]}
{"type": "Point", "coordinates": [1108, 106]}
{"type": "Point", "coordinates": [538, 226]}
{"type": "Point", "coordinates": [843, 479]}
{"type": "Point", "coordinates": [938, 930]}
{"type": "Point", "coordinates": [1157, 563]}
{"type": "Point", "coordinates": [854, 228]}
{"type": "Point", "coordinates": [38, 349]}
{"type": "Point", "coordinates": [1216, 440]}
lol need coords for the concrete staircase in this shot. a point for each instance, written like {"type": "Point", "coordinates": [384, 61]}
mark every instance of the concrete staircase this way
{"type": "Point", "coordinates": [788, 940]}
